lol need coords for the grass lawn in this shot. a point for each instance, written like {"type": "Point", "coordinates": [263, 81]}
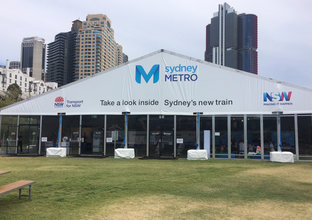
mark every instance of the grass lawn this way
{"type": "Point", "coordinates": [89, 188]}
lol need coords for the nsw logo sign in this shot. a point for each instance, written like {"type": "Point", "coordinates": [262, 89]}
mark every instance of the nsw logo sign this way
{"type": "Point", "coordinates": [277, 98]}
{"type": "Point", "coordinates": [140, 72]}
{"type": "Point", "coordinates": [59, 102]}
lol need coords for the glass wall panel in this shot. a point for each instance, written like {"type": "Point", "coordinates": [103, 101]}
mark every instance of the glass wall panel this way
{"type": "Point", "coordinates": [206, 133]}
{"type": "Point", "coordinates": [28, 135]}
{"type": "Point", "coordinates": [253, 137]}
{"type": "Point", "coordinates": [237, 136]}
{"type": "Point", "coordinates": [70, 133]}
{"type": "Point", "coordinates": [92, 135]}
{"type": "Point", "coordinates": [288, 133]}
{"type": "Point", "coordinates": [269, 135]}
{"type": "Point", "coordinates": [8, 135]}
{"type": "Point", "coordinates": [161, 136]}
{"type": "Point", "coordinates": [186, 135]}
{"type": "Point", "coordinates": [305, 137]}
{"type": "Point", "coordinates": [137, 134]}
{"type": "Point", "coordinates": [50, 126]}
{"type": "Point", "coordinates": [221, 137]}
{"type": "Point", "coordinates": [115, 133]}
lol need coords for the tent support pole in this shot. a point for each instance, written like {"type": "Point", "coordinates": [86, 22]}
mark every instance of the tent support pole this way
{"type": "Point", "coordinates": [245, 137]}
{"type": "Point", "coordinates": [104, 143]}
{"type": "Point", "coordinates": [80, 124]}
{"type": "Point", "coordinates": [296, 136]}
{"type": "Point", "coordinates": [174, 136]}
{"type": "Point", "coordinates": [229, 135]}
{"type": "Point", "coordinates": [17, 130]}
{"type": "Point", "coordinates": [40, 136]}
{"type": "Point", "coordinates": [147, 134]}
{"type": "Point", "coordinates": [213, 122]}
{"type": "Point", "coordinates": [261, 137]}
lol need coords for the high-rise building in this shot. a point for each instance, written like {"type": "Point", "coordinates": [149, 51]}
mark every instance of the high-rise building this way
{"type": "Point", "coordinates": [231, 39]}
{"type": "Point", "coordinates": [61, 56]}
{"type": "Point", "coordinates": [15, 65]}
{"type": "Point", "coordinates": [125, 57]}
{"type": "Point", "coordinates": [248, 43]}
{"type": "Point", "coordinates": [96, 49]}
{"type": "Point", "coordinates": [33, 57]}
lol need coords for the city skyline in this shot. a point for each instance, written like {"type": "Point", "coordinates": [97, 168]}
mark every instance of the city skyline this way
{"type": "Point", "coordinates": [143, 27]}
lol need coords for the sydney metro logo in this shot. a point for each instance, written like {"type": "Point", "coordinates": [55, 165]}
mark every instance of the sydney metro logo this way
{"type": "Point", "coordinates": [140, 72]}
{"type": "Point", "coordinates": [276, 98]}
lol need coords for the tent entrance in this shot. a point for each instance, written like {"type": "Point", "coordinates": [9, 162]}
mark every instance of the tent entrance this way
{"type": "Point", "coordinates": [161, 144]}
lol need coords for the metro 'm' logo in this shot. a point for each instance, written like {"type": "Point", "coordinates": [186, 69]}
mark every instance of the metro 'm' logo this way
{"type": "Point", "coordinates": [140, 72]}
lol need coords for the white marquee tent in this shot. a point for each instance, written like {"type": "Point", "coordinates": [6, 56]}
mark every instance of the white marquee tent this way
{"type": "Point", "coordinates": [167, 83]}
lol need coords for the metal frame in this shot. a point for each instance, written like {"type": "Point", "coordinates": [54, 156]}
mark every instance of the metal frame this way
{"type": "Point", "coordinates": [104, 135]}
{"type": "Point", "coordinates": [147, 134]}
{"type": "Point", "coordinates": [197, 131]}
{"type": "Point", "coordinates": [17, 131]}
{"type": "Point", "coordinates": [20, 193]}
{"type": "Point", "coordinates": [229, 136]}
{"type": "Point", "coordinates": [245, 137]}
{"type": "Point", "coordinates": [174, 136]}
{"type": "Point", "coordinates": [59, 143]}
{"type": "Point", "coordinates": [213, 118]}
{"type": "Point", "coordinates": [213, 122]}
{"type": "Point", "coordinates": [126, 131]}
{"type": "Point", "coordinates": [262, 137]}
{"type": "Point", "coordinates": [0, 125]}
{"type": "Point", "coordinates": [40, 136]}
{"type": "Point", "coordinates": [278, 124]}
{"type": "Point", "coordinates": [296, 136]}
{"type": "Point", "coordinates": [80, 130]}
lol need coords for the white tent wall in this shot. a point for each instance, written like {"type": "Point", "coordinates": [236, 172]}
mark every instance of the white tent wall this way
{"type": "Point", "coordinates": [185, 86]}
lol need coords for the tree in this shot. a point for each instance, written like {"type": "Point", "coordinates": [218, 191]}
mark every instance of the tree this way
{"type": "Point", "coordinates": [12, 95]}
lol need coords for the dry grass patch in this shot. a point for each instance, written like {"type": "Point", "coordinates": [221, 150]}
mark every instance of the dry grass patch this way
{"type": "Point", "coordinates": [301, 174]}
{"type": "Point", "coordinates": [177, 207]}
{"type": "Point", "coordinates": [56, 167]}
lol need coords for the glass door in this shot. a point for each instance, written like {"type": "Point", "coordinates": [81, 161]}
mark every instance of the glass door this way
{"type": "Point", "coordinates": [161, 136]}
{"type": "Point", "coordinates": [115, 133]}
{"type": "Point", "coordinates": [92, 140]}
{"type": "Point", "coordinates": [28, 135]}
{"type": "Point", "coordinates": [8, 135]}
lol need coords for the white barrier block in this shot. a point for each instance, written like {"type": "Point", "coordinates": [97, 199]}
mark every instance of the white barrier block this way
{"type": "Point", "coordinates": [127, 153]}
{"type": "Point", "coordinates": [282, 157]}
{"type": "Point", "coordinates": [56, 152]}
{"type": "Point", "coordinates": [197, 155]}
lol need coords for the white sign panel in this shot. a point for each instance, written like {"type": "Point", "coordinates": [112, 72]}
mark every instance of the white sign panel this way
{"type": "Point", "coordinates": [44, 139]}
{"type": "Point", "coordinates": [179, 140]}
{"type": "Point", "coordinates": [207, 141]}
{"type": "Point", "coordinates": [109, 140]}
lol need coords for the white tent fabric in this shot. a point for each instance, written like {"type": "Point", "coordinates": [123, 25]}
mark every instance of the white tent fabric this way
{"type": "Point", "coordinates": [167, 83]}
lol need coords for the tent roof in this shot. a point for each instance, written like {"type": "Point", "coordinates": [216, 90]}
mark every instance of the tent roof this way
{"type": "Point", "coordinates": [82, 82]}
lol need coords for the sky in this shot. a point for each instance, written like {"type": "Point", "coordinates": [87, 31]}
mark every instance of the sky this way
{"type": "Point", "coordinates": [145, 26]}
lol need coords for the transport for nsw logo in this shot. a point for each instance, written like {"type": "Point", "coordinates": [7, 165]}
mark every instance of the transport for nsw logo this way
{"type": "Point", "coordinates": [140, 72]}
{"type": "Point", "coordinates": [59, 102]}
